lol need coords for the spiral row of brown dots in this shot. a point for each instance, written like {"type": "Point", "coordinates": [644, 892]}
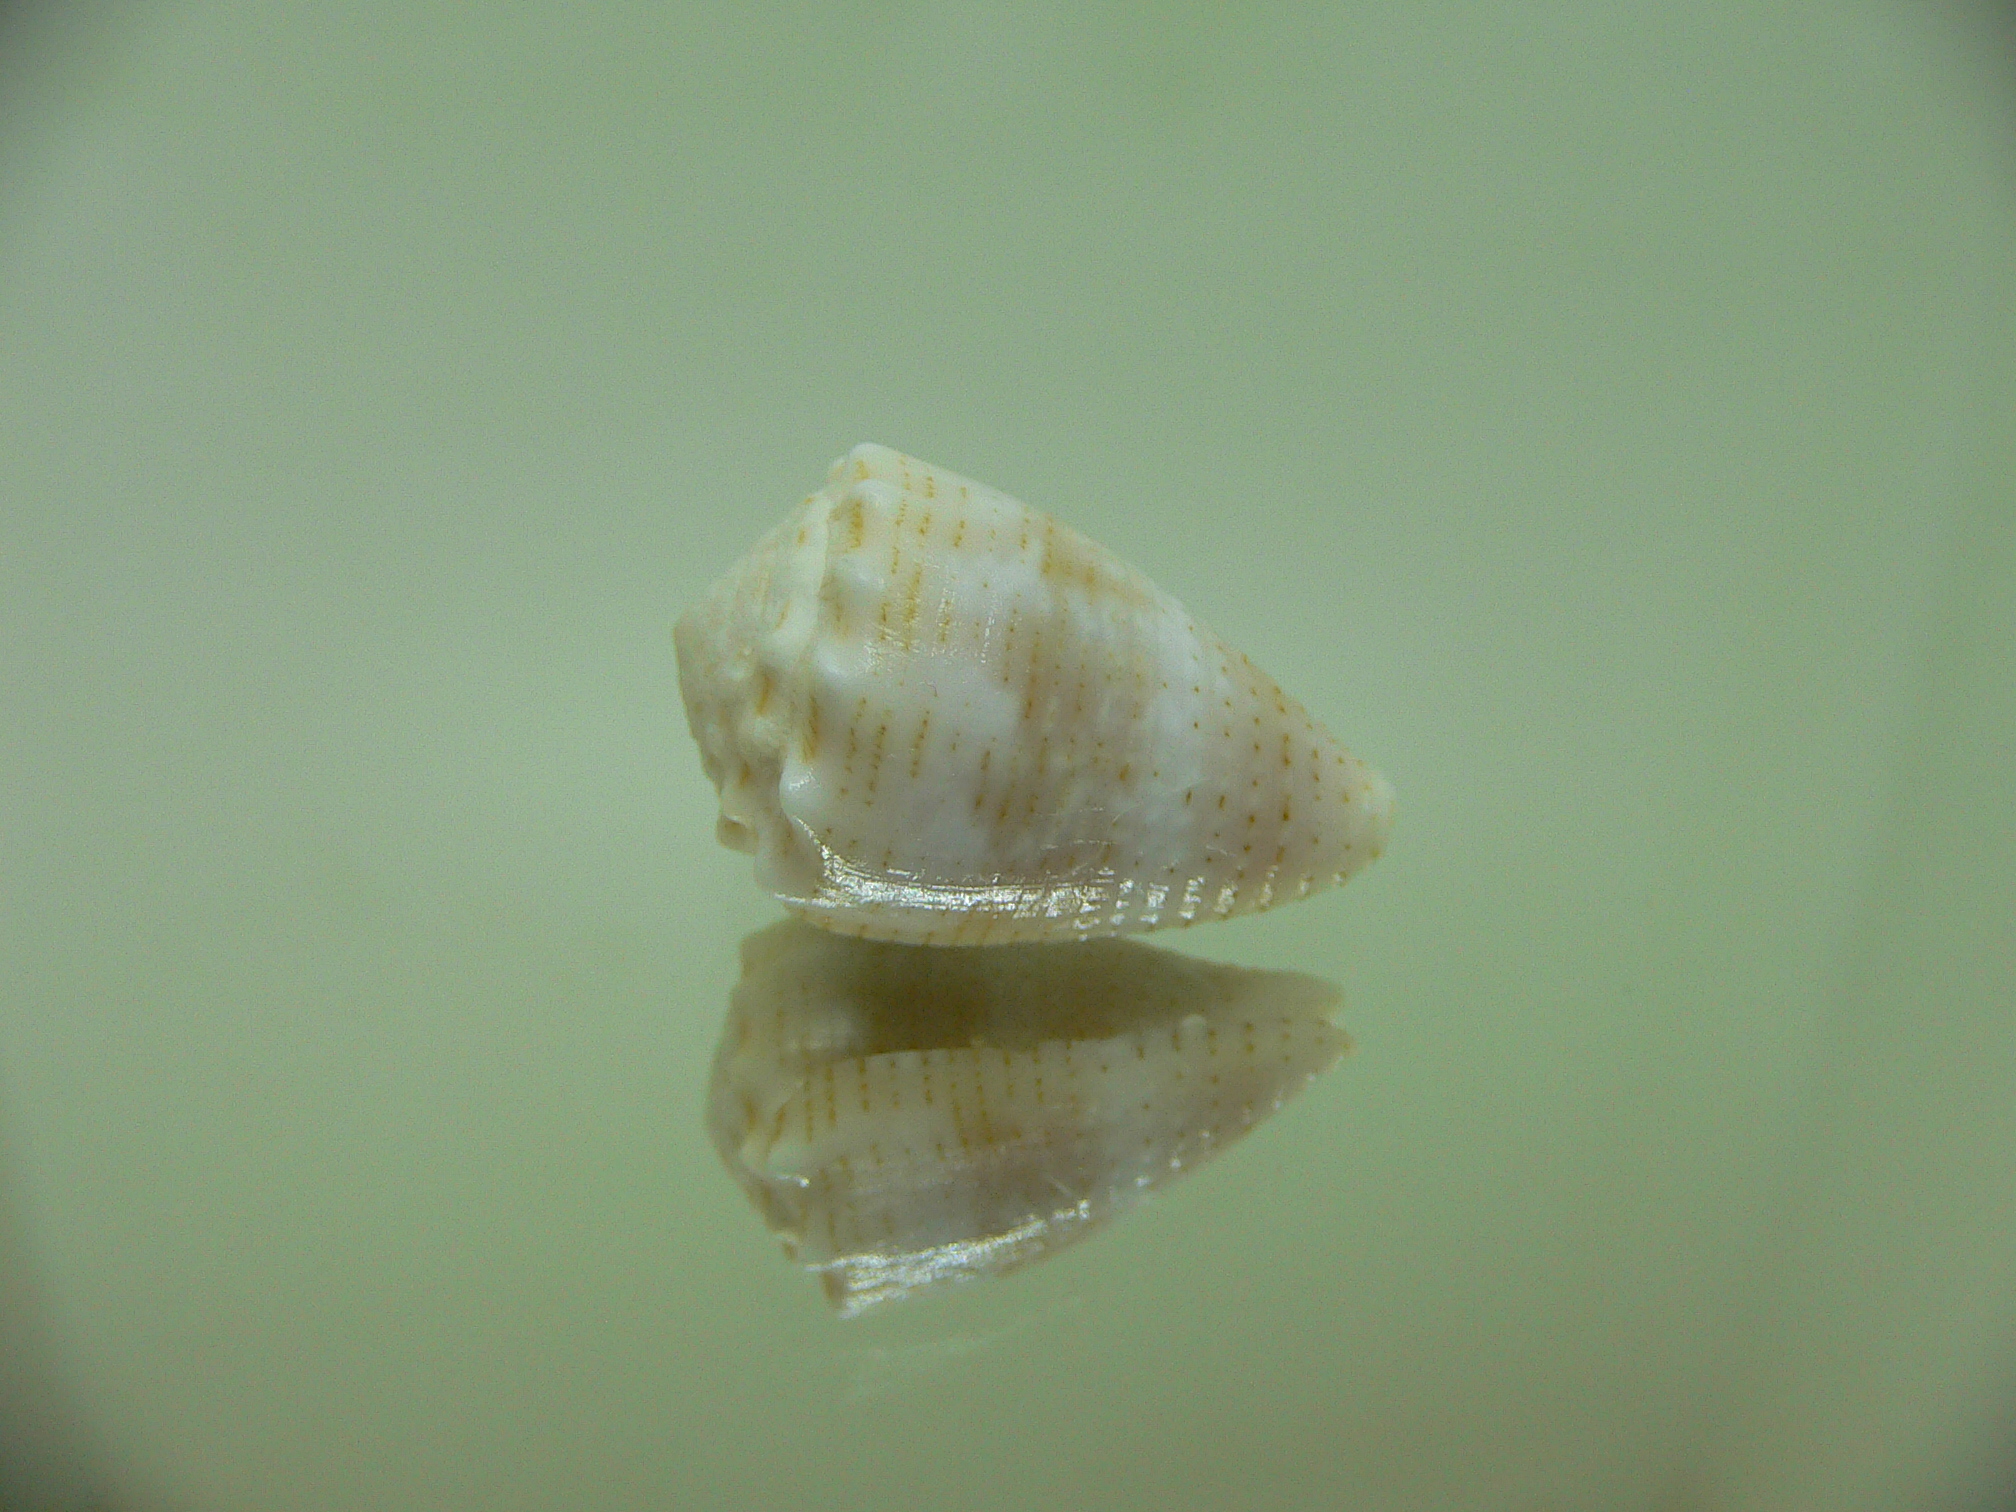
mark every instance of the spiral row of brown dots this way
{"type": "Point", "coordinates": [999, 730]}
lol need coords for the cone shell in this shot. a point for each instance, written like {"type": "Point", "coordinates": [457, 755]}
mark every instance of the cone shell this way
{"type": "Point", "coordinates": [937, 716]}
{"type": "Point", "coordinates": [907, 1117]}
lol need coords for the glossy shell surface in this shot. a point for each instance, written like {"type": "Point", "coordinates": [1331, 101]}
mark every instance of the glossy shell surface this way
{"type": "Point", "coordinates": [937, 716]}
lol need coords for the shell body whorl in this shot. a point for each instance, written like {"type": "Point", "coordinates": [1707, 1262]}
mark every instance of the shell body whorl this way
{"type": "Point", "coordinates": [938, 716]}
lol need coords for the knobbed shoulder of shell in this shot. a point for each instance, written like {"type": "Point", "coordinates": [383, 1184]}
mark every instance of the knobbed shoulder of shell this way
{"type": "Point", "coordinates": [937, 716]}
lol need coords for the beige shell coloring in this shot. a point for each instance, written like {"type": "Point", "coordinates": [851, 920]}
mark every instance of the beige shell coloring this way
{"type": "Point", "coordinates": [908, 1118]}
{"type": "Point", "coordinates": [937, 716]}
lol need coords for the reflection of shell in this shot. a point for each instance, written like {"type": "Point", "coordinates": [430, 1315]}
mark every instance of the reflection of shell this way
{"type": "Point", "coordinates": [904, 1117]}
{"type": "Point", "coordinates": [937, 716]}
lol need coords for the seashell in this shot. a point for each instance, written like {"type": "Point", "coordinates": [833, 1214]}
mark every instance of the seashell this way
{"type": "Point", "coordinates": [906, 1117]}
{"type": "Point", "coordinates": [937, 716]}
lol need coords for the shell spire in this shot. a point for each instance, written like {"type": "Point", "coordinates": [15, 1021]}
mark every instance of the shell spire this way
{"type": "Point", "coordinates": [937, 716]}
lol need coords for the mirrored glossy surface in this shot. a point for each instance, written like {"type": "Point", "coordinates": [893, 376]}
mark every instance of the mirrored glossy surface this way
{"type": "Point", "coordinates": [908, 1116]}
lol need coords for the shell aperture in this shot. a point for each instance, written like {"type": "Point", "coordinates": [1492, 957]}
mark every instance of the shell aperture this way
{"type": "Point", "coordinates": [937, 716]}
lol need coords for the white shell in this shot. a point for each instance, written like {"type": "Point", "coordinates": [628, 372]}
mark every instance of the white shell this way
{"type": "Point", "coordinates": [937, 716]}
{"type": "Point", "coordinates": [904, 1117]}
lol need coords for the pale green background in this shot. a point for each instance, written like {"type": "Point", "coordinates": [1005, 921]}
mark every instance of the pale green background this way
{"type": "Point", "coordinates": [1601, 416]}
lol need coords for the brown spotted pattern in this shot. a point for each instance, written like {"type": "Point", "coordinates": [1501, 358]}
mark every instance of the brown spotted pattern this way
{"type": "Point", "coordinates": [941, 717]}
{"type": "Point", "coordinates": [906, 1117]}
